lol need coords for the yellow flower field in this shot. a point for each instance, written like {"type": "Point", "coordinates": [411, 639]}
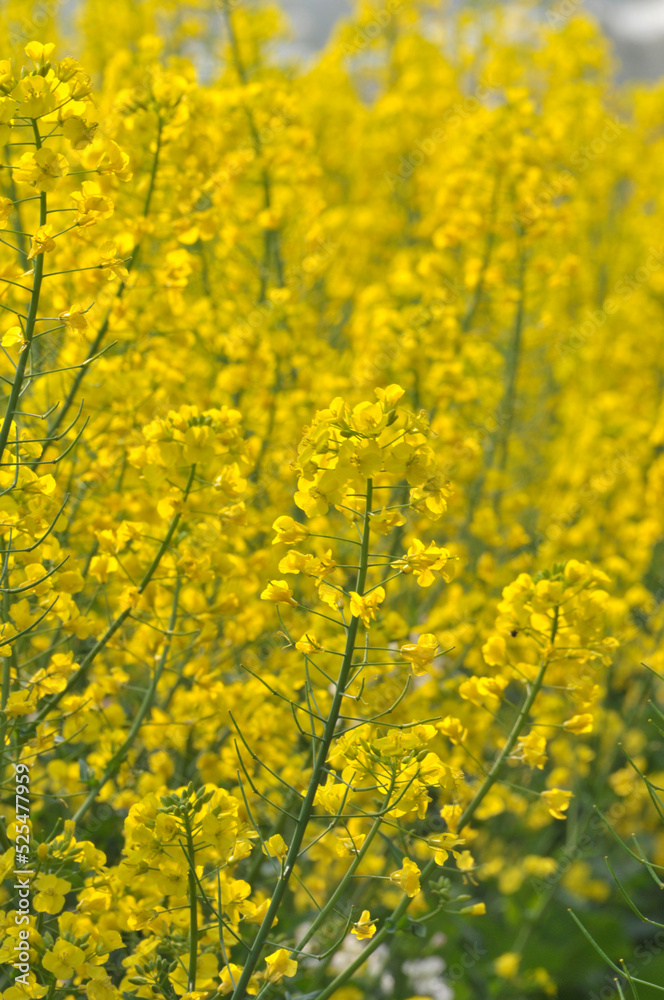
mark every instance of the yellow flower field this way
{"type": "Point", "coordinates": [332, 506]}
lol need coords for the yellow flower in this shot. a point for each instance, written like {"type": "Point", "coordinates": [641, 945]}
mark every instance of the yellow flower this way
{"type": "Point", "coordinates": [43, 168]}
{"type": "Point", "coordinates": [92, 205]}
{"type": "Point", "coordinates": [531, 748]}
{"type": "Point", "coordinates": [369, 418]}
{"type": "Point", "coordinates": [422, 653]}
{"type": "Point", "coordinates": [366, 607]}
{"type": "Point", "coordinates": [577, 572]}
{"type": "Point", "coordinates": [275, 847]}
{"type": "Point", "coordinates": [64, 958]}
{"type": "Point", "coordinates": [328, 595]}
{"type": "Point", "coordinates": [579, 724]}
{"type": "Point", "coordinates": [407, 877]}
{"type": "Point", "coordinates": [507, 965]}
{"type": "Point", "coordinates": [279, 964]}
{"type": "Point", "coordinates": [557, 801]}
{"type": "Point", "coordinates": [465, 861]}
{"type": "Point", "coordinates": [74, 319]}
{"type": "Point", "coordinates": [79, 132]}
{"type": "Point", "coordinates": [20, 702]}
{"type": "Point", "coordinates": [42, 241]}
{"type": "Point", "coordinates": [37, 97]}
{"type": "Point", "coordinates": [308, 643]}
{"type": "Point", "coordinates": [229, 977]}
{"type": "Point", "coordinates": [494, 651]}
{"type": "Point", "coordinates": [269, 219]}
{"type": "Point", "coordinates": [19, 991]}
{"type": "Point", "coordinates": [453, 729]}
{"type": "Point", "coordinates": [38, 52]}
{"type": "Point", "coordinates": [6, 208]}
{"type": "Point", "coordinates": [349, 845]}
{"type": "Point", "coordinates": [289, 531]}
{"type": "Point", "coordinates": [330, 795]}
{"type": "Point", "coordinates": [364, 927]}
{"type": "Point", "coordinates": [113, 160]}
{"type": "Point", "coordinates": [172, 879]}
{"type": "Point", "coordinates": [110, 263]}
{"type": "Point", "coordinates": [444, 843]}
{"type": "Point", "coordinates": [424, 561]}
{"type": "Point", "coordinates": [206, 973]}
{"type": "Point", "coordinates": [279, 592]}
{"type": "Point", "coordinates": [389, 396]}
{"type": "Point", "coordinates": [51, 892]}
{"type": "Point", "coordinates": [100, 986]}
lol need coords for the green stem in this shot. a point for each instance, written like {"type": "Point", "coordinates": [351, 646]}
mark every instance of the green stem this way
{"type": "Point", "coordinates": [307, 806]}
{"type": "Point", "coordinates": [193, 909]}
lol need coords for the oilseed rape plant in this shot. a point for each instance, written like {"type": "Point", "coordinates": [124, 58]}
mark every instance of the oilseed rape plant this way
{"type": "Point", "coordinates": [330, 506]}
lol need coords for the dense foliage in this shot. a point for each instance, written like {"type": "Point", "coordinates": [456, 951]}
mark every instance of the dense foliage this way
{"type": "Point", "coordinates": [331, 488]}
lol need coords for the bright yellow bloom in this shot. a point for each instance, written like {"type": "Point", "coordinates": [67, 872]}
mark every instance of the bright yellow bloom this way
{"type": "Point", "coordinates": [453, 729]}
{"type": "Point", "coordinates": [579, 724]}
{"type": "Point", "coordinates": [42, 169]}
{"type": "Point", "coordinates": [364, 927]}
{"type": "Point", "coordinates": [423, 561]}
{"type": "Point", "coordinates": [51, 892]}
{"type": "Point", "coordinates": [6, 208]}
{"type": "Point", "coordinates": [366, 607]}
{"type": "Point", "coordinates": [38, 52]}
{"type": "Point", "coordinates": [92, 204]}
{"type": "Point", "coordinates": [20, 702]}
{"type": "Point", "coordinates": [442, 844]}
{"type": "Point", "coordinates": [289, 531]}
{"type": "Point", "coordinates": [275, 847]}
{"type": "Point", "coordinates": [42, 241]}
{"type": "Point", "coordinates": [494, 651]}
{"type": "Point", "coordinates": [309, 643]}
{"type": "Point", "coordinates": [407, 877]}
{"type": "Point", "coordinates": [279, 592]}
{"type": "Point", "coordinates": [422, 653]}
{"type": "Point", "coordinates": [63, 959]}
{"type": "Point", "coordinates": [279, 964]}
{"type": "Point", "coordinates": [229, 977]}
{"type": "Point", "coordinates": [557, 801]}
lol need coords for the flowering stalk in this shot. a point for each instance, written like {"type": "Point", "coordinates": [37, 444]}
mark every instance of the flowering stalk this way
{"type": "Point", "coordinates": [565, 600]}
{"type": "Point", "coordinates": [393, 922]}
{"type": "Point", "coordinates": [306, 807]}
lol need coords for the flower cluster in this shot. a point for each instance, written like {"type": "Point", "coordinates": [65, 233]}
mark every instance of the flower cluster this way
{"type": "Point", "coordinates": [284, 692]}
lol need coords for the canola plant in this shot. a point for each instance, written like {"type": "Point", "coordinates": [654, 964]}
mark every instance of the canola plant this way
{"type": "Point", "coordinates": [331, 494]}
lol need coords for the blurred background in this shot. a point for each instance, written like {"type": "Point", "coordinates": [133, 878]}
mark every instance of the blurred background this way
{"type": "Point", "coordinates": [635, 26]}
